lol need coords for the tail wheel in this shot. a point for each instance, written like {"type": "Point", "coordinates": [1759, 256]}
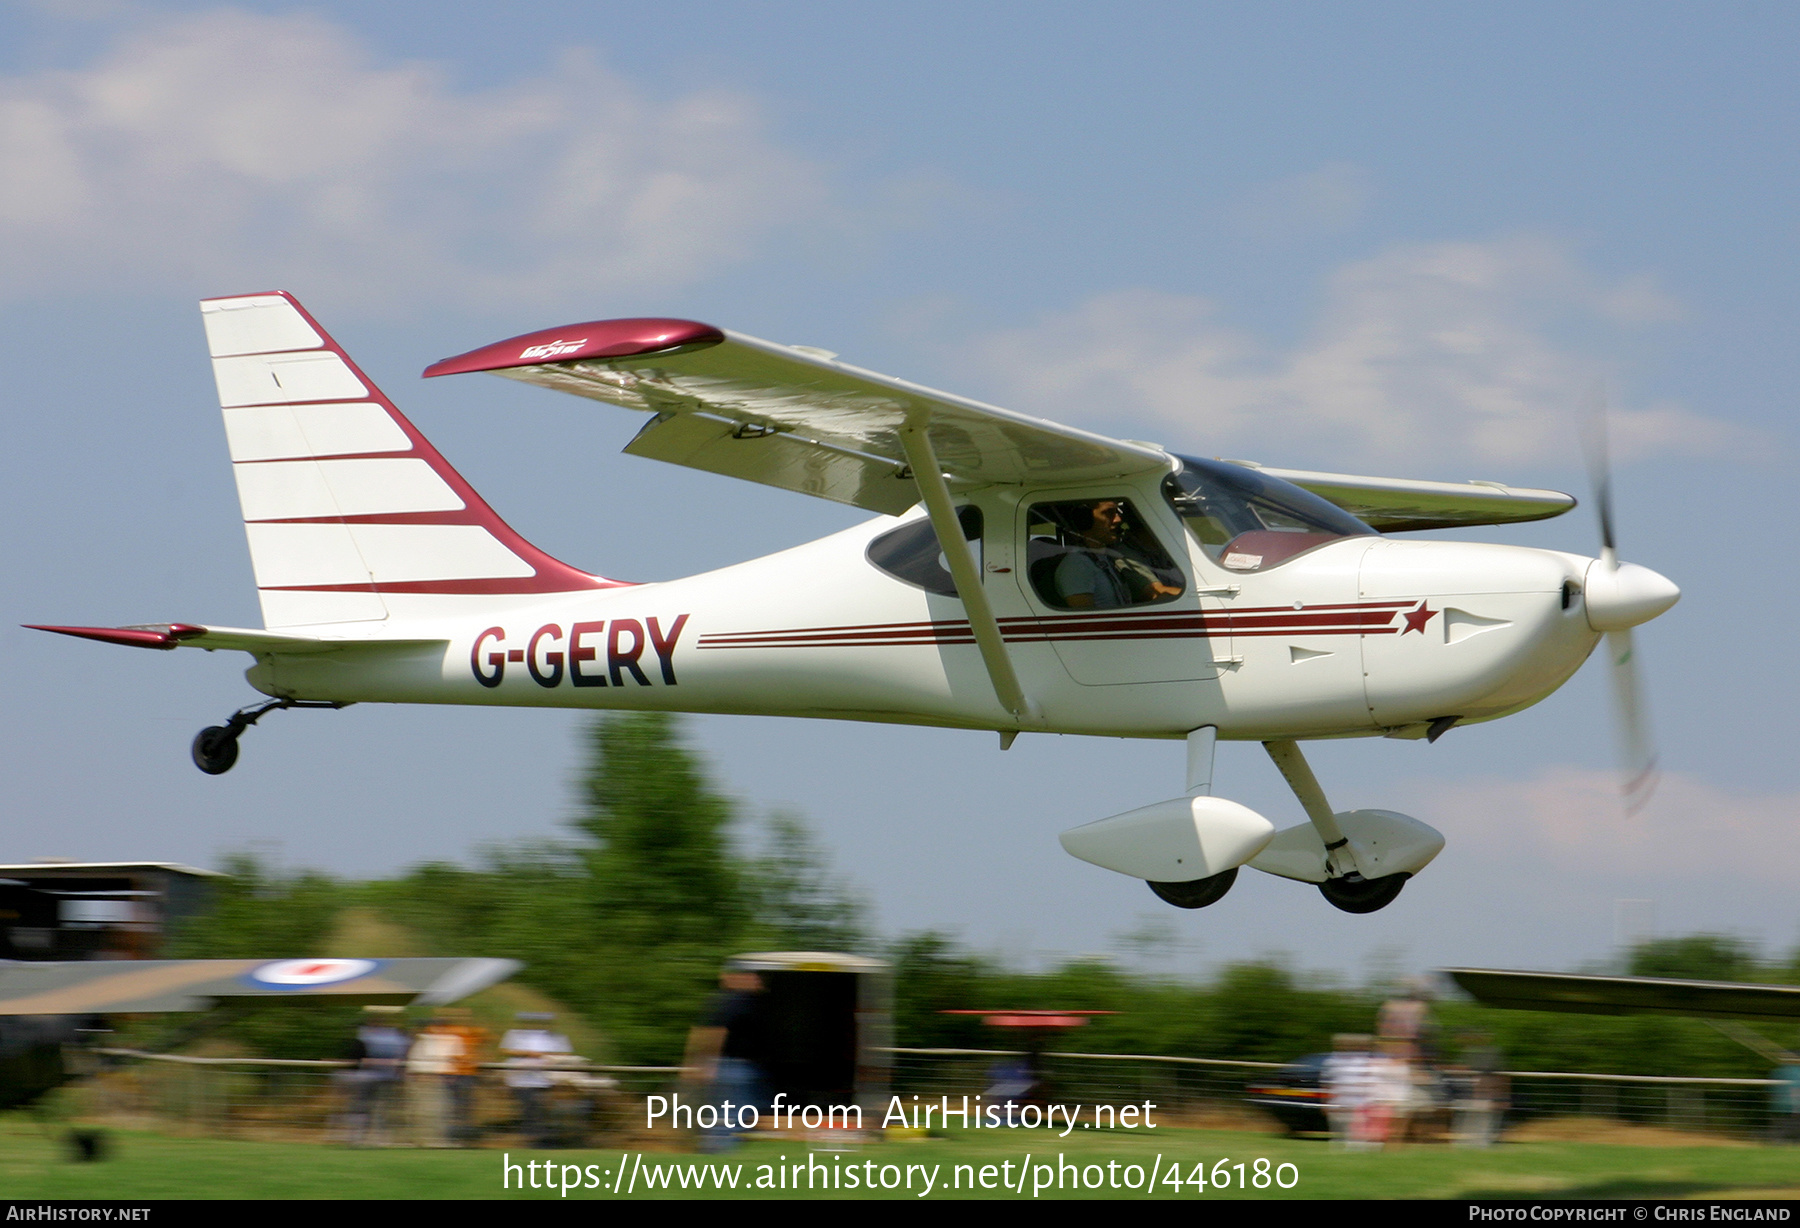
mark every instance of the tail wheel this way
{"type": "Point", "coordinates": [1198, 893]}
{"type": "Point", "coordinates": [215, 750]}
{"type": "Point", "coordinates": [1354, 893]}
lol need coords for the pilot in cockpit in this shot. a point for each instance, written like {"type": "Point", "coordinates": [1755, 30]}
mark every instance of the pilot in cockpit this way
{"type": "Point", "coordinates": [1097, 574]}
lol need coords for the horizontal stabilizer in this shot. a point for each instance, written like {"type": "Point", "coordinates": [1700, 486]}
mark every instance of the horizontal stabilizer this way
{"type": "Point", "coordinates": [103, 987]}
{"type": "Point", "coordinates": [187, 635]}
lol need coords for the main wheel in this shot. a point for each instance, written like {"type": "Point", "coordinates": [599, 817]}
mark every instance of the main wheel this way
{"type": "Point", "coordinates": [215, 750]}
{"type": "Point", "coordinates": [1358, 894]}
{"type": "Point", "coordinates": [1198, 893]}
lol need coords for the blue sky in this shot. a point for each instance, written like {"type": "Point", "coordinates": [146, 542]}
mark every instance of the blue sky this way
{"type": "Point", "coordinates": [1377, 238]}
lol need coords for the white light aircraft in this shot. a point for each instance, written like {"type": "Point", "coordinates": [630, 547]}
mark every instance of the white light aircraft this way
{"type": "Point", "coordinates": [1022, 577]}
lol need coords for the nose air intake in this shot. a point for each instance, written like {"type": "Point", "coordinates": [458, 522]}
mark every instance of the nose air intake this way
{"type": "Point", "coordinates": [1622, 597]}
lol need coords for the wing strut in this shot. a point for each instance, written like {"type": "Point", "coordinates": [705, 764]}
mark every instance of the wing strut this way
{"type": "Point", "coordinates": [936, 492]}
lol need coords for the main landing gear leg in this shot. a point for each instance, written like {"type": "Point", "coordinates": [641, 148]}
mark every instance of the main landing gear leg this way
{"type": "Point", "coordinates": [1345, 887]}
{"type": "Point", "coordinates": [215, 748]}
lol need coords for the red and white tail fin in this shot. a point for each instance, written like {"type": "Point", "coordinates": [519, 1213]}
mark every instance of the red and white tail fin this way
{"type": "Point", "coordinates": [349, 510]}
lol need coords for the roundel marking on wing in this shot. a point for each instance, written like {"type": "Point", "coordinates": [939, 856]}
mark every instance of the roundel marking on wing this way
{"type": "Point", "coordinates": [309, 973]}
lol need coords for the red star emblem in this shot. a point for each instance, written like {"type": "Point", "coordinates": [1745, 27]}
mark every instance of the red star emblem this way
{"type": "Point", "coordinates": [1416, 619]}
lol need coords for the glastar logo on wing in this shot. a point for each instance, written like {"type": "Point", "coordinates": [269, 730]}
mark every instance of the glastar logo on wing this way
{"type": "Point", "coordinates": [550, 349]}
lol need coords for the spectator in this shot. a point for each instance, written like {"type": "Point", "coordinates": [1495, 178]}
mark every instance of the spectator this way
{"type": "Point", "coordinates": [726, 1053]}
{"type": "Point", "coordinates": [531, 1051]}
{"type": "Point", "coordinates": [429, 1066]}
{"type": "Point", "coordinates": [1784, 1122]}
{"type": "Point", "coordinates": [379, 1051]}
{"type": "Point", "coordinates": [465, 1072]}
{"type": "Point", "coordinates": [1348, 1081]}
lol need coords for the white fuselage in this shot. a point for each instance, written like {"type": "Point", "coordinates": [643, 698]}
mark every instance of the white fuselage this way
{"type": "Point", "coordinates": [1359, 637]}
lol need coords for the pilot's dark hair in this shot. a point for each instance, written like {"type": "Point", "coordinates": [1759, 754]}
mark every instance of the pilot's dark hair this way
{"type": "Point", "coordinates": [1076, 516]}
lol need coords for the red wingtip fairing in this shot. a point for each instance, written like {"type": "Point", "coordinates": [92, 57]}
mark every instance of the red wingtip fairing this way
{"type": "Point", "coordinates": [573, 342]}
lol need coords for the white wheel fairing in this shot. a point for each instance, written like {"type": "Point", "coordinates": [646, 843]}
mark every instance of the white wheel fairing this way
{"type": "Point", "coordinates": [1176, 841]}
{"type": "Point", "coordinates": [1382, 843]}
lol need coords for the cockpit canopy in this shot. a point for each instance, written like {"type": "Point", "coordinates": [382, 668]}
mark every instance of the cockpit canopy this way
{"type": "Point", "coordinates": [1249, 521]}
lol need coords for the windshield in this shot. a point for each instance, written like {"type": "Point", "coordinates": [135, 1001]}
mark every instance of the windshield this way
{"type": "Point", "coordinates": [1248, 521]}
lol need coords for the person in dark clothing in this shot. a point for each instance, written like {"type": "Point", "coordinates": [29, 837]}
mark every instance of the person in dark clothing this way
{"type": "Point", "coordinates": [726, 1055]}
{"type": "Point", "coordinates": [379, 1051]}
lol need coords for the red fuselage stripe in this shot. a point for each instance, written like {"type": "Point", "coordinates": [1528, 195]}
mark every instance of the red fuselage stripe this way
{"type": "Point", "coordinates": [1340, 619]}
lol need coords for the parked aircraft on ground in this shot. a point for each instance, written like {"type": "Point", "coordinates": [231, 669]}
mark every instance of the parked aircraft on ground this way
{"type": "Point", "coordinates": [1022, 577]}
{"type": "Point", "coordinates": [1585, 994]}
{"type": "Point", "coordinates": [47, 1005]}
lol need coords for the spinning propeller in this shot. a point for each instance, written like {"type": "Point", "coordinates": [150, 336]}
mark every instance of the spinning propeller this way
{"type": "Point", "coordinates": [1619, 596]}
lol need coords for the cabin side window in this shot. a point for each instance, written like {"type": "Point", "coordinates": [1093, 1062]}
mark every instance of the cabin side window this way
{"type": "Point", "coordinates": [910, 553]}
{"type": "Point", "coordinates": [1097, 554]}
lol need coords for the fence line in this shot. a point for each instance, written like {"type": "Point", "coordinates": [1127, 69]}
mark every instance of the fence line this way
{"type": "Point", "coordinates": [185, 1059]}
{"type": "Point", "coordinates": [307, 1099]}
{"type": "Point", "coordinates": [1225, 1061]}
{"type": "Point", "coordinates": [1205, 1086]}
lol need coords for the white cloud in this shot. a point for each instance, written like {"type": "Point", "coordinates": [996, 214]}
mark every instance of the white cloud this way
{"type": "Point", "coordinates": [1427, 352]}
{"type": "Point", "coordinates": [1572, 820]}
{"type": "Point", "coordinates": [1324, 201]}
{"type": "Point", "coordinates": [233, 148]}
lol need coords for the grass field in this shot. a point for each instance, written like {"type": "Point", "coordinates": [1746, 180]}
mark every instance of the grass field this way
{"type": "Point", "coordinates": [34, 1164]}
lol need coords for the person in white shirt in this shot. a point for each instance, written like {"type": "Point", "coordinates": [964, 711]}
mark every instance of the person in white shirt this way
{"type": "Point", "coordinates": [429, 1064]}
{"type": "Point", "coordinates": [531, 1052]}
{"type": "Point", "coordinates": [1349, 1080]}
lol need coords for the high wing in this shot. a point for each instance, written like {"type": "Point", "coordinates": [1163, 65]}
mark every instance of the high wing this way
{"type": "Point", "coordinates": [1627, 995]}
{"type": "Point", "coordinates": [104, 987]}
{"type": "Point", "coordinates": [1397, 505]}
{"type": "Point", "coordinates": [796, 417]}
